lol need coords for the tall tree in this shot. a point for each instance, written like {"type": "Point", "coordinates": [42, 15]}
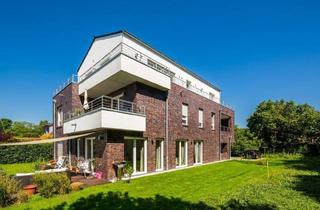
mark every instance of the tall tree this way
{"type": "Point", "coordinates": [245, 142]}
{"type": "Point", "coordinates": [285, 125]}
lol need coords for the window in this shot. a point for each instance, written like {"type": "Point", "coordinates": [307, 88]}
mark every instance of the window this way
{"type": "Point", "coordinates": [59, 117]}
{"type": "Point", "coordinates": [159, 154]}
{"type": "Point", "coordinates": [223, 147]}
{"type": "Point", "coordinates": [184, 114]}
{"type": "Point", "coordinates": [200, 118]}
{"type": "Point", "coordinates": [213, 123]}
{"type": "Point", "coordinates": [181, 153]}
{"type": "Point", "coordinates": [198, 152]}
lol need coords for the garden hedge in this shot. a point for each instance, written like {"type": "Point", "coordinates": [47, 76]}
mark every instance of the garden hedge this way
{"type": "Point", "coordinates": [25, 153]}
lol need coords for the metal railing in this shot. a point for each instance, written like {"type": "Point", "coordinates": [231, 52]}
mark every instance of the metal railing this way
{"type": "Point", "coordinates": [72, 79]}
{"type": "Point", "coordinates": [108, 103]}
{"type": "Point", "coordinates": [130, 52]}
{"type": "Point", "coordinates": [199, 91]}
{"type": "Point", "coordinates": [225, 128]}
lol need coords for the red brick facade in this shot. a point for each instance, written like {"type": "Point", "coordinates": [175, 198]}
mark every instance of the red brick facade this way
{"type": "Point", "coordinates": [69, 100]}
{"type": "Point", "coordinates": [109, 151]}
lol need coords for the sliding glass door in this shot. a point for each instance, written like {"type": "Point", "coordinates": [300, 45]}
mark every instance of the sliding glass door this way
{"type": "Point", "coordinates": [159, 154]}
{"type": "Point", "coordinates": [198, 152]}
{"type": "Point", "coordinates": [135, 154]}
{"type": "Point", "coordinates": [181, 153]}
{"type": "Point", "coordinates": [88, 148]}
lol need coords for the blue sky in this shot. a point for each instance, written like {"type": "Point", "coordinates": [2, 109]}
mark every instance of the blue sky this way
{"type": "Point", "coordinates": [252, 50]}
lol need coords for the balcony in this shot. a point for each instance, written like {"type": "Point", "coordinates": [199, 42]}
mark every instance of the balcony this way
{"type": "Point", "coordinates": [106, 112]}
{"type": "Point", "coordinates": [122, 66]}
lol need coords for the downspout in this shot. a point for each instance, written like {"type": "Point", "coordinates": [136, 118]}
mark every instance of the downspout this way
{"type": "Point", "coordinates": [54, 125]}
{"type": "Point", "coordinates": [219, 133]}
{"type": "Point", "coordinates": [167, 131]}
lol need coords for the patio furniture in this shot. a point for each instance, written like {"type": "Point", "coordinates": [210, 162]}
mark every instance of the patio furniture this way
{"type": "Point", "coordinates": [84, 166]}
{"type": "Point", "coordinates": [62, 162]}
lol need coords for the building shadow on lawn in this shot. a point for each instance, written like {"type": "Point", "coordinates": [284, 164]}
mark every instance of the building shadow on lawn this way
{"type": "Point", "coordinates": [305, 163]}
{"type": "Point", "coordinates": [122, 201]}
{"type": "Point", "coordinates": [309, 185]}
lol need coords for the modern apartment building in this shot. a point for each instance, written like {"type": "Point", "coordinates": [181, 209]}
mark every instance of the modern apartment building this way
{"type": "Point", "coordinates": [132, 103]}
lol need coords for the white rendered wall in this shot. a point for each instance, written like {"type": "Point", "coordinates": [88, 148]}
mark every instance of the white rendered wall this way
{"type": "Point", "coordinates": [105, 119]}
{"type": "Point", "coordinates": [100, 47]}
{"type": "Point", "coordinates": [180, 73]}
{"type": "Point", "coordinates": [129, 65]}
{"type": "Point", "coordinates": [145, 72]}
{"type": "Point", "coordinates": [99, 76]}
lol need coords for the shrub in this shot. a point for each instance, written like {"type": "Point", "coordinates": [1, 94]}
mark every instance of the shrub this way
{"type": "Point", "coordinates": [8, 190]}
{"type": "Point", "coordinates": [5, 137]}
{"type": "Point", "coordinates": [39, 165]}
{"type": "Point", "coordinates": [76, 186]}
{"type": "Point", "coordinates": [52, 183]}
{"type": "Point", "coordinates": [25, 153]}
{"type": "Point", "coordinates": [22, 196]}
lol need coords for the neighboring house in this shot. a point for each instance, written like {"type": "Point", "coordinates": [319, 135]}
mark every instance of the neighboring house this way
{"type": "Point", "coordinates": [138, 105]}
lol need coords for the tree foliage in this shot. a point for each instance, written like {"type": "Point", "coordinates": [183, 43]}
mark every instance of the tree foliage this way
{"type": "Point", "coordinates": [8, 129]}
{"type": "Point", "coordinates": [285, 125]}
{"type": "Point", "coordinates": [245, 142]}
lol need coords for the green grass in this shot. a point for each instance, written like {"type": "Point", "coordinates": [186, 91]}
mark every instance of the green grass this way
{"type": "Point", "coordinates": [12, 169]}
{"type": "Point", "coordinates": [294, 183]}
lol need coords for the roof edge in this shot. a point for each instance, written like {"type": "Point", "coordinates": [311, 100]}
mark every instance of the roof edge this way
{"type": "Point", "coordinates": [152, 49]}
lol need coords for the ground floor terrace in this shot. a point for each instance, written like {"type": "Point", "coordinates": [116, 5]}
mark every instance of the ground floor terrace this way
{"type": "Point", "coordinates": [104, 152]}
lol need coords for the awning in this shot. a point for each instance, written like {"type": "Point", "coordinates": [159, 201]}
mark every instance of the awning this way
{"type": "Point", "coordinates": [48, 140]}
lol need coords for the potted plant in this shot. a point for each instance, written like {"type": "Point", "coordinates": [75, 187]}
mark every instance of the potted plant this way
{"type": "Point", "coordinates": [129, 171]}
{"type": "Point", "coordinates": [30, 189]}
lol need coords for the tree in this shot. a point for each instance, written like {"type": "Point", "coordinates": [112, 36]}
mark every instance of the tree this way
{"type": "Point", "coordinates": [5, 129]}
{"type": "Point", "coordinates": [285, 125]}
{"type": "Point", "coordinates": [26, 129]}
{"type": "Point", "coordinates": [245, 142]}
{"type": "Point", "coordinates": [5, 125]}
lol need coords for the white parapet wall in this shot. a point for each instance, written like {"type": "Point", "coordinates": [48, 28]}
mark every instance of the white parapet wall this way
{"type": "Point", "coordinates": [102, 119]}
{"type": "Point", "coordinates": [123, 63]}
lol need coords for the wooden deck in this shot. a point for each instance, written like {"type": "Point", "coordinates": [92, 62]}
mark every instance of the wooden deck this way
{"type": "Point", "coordinates": [89, 181]}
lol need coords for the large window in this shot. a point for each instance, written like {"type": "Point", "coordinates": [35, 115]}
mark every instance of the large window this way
{"type": "Point", "coordinates": [213, 121]}
{"type": "Point", "coordinates": [184, 114]}
{"type": "Point", "coordinates": [198, 148]}
{"type": "Point", "coordinates": [135, 154]}
{"type": "Point", "coordinates": [200, 117]}
{"type": "Point", "coordinates": [181, 153]}
{"type": "Point", "coordinates": [59, 117]}
{"type": "Point", "coordinates": [159, 154]}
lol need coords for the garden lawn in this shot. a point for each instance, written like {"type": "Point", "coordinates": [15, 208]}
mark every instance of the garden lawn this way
{"type": "Point", "coordinates": [12, 169]}
{"type": "Point", "coordinates": [293, 183]}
